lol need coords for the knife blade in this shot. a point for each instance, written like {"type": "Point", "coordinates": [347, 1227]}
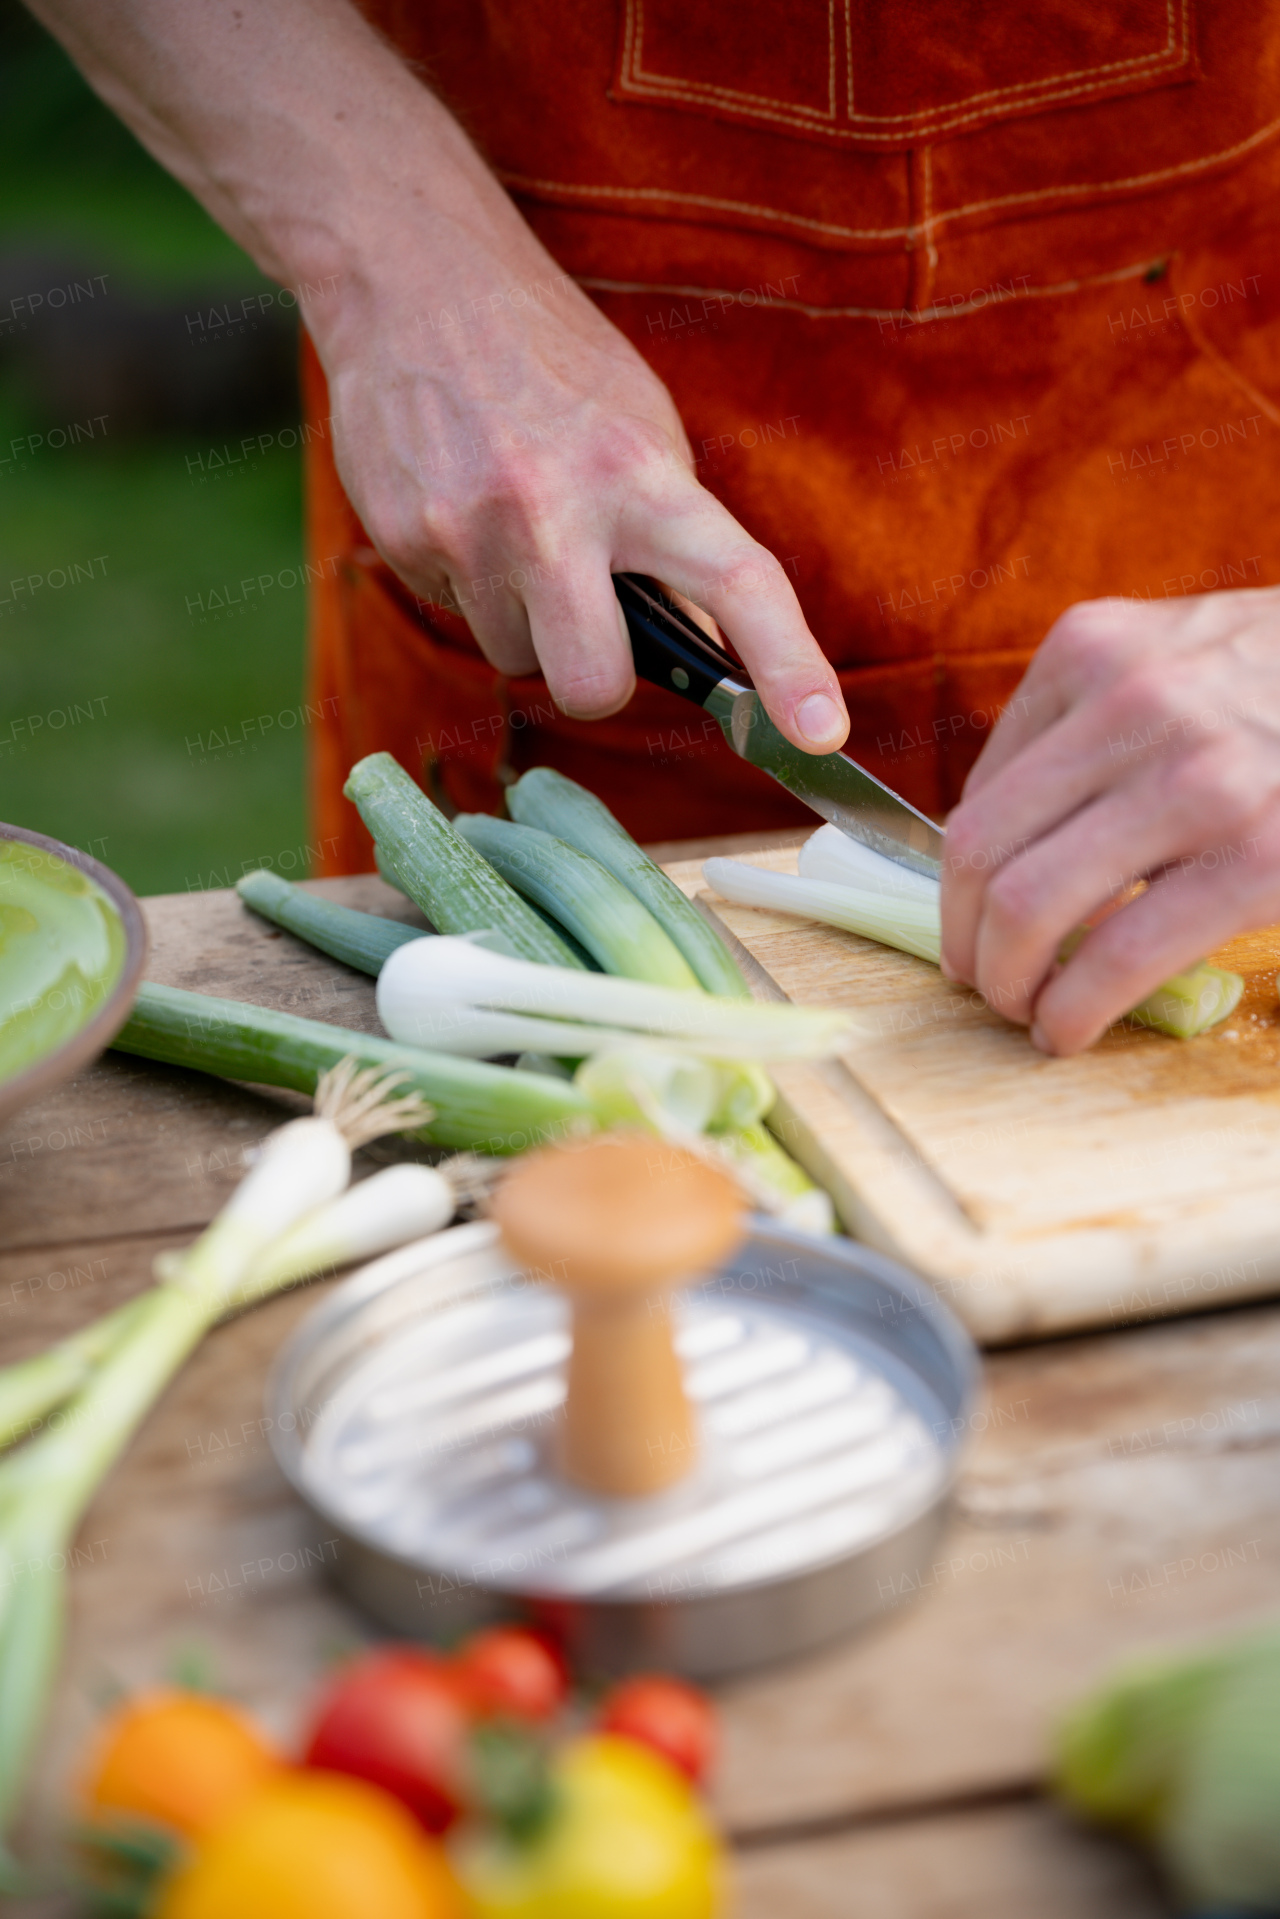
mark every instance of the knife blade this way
{"type": "Point", "coordinates": [670, 650]}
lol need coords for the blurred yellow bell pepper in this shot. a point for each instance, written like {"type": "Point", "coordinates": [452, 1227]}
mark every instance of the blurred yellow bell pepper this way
{"type": "Point", "coordinates": [627, 1839]}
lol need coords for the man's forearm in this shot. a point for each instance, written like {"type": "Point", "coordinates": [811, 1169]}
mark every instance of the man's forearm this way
{"type": "Point", "coordinates": [318, 149]}
{"type": "Point", "coordinates": [301, 132]}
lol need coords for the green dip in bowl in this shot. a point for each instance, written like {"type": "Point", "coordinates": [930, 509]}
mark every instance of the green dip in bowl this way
{"type": "Point", "coordinates": [72, 948]}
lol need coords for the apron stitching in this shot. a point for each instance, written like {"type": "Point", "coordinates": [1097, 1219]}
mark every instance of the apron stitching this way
{"type": "Point", "coordinates": [1225, 367]}
{"type": "Point", "coordinates": [669, 84]}
{"type": "Point", "coordinates": [1174, 54]}
{"type": "Point", "coordinates": [873, 313]}
{"type": "Point", "coordinates": [932, 250]}
{"type": "Point", "coordinates": [1097, 188]}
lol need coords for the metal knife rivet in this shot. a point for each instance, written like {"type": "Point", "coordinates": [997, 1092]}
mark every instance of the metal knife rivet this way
{"type": "Point", "coordinates": [679, 677]}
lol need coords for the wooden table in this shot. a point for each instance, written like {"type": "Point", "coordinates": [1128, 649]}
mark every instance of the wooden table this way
{"type": "Point", "coordinates": [1119, 1494]}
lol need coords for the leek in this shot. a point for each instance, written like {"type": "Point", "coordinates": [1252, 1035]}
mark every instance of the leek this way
{"type": "Point", "coordinates": [772, 1180]}
{"type": "Point", "coordinates": [1191, 1002]}
{"type": "Point", "coordinates": [601, 913]}
{"type": "Point", "coordinates": [419, 852]}
{"type": "Point", "coordinates": [673, 1094]}
{"type": "Point", "coordinates": [488, 1107]}
{"type": "Point", "coordinates": [830, 854]}
{"type": "Point", "coordinates": [428, 989]}
{"type": "Point", "coordinates": [912, 925]}
{"type": "Point", "coordinates": [712, 1108]}
{"type": "Point", "coordinates": [560, 806]}
{"type": "Point", "coordinates": [362, 940]}
{"type": "Point", "coordinates": [647, 1085]}
{"type": "Point", "coordinates": [901, 909]}
{"type": "Point", "coordinates": [46, 1484]}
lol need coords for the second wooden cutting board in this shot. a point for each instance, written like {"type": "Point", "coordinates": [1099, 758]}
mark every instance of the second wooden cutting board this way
{"type": "Point", "coordinates": [1138, 1180]}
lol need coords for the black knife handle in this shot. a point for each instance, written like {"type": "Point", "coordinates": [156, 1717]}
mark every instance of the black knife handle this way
{"type": "Point", "coordinates": [668, 649]}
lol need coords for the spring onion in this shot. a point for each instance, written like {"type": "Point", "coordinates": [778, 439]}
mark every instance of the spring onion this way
{"type": "Point", "coordinates": [419, 852]}
{"type": "Point", "coordinates": [902, 909]}
{"type": "Point", "coordinates": [33, 1387]}
{"type": "Point", "coordinates": [362, 940]}
{"type": "Point", "coordinates": [674, 1094]}
{"type": "Point", "coordinates": [830, 854]}
{"type": "Point", "coordinates": [913, 925]}
{"type": "Point", "coordinates": [475, 1104]}
{"type": "Point", "coordinates": [426, 989]}
{"type": "Point", "coordinates": [601, 913]}
{"type": "Point", "coordinates": [46, 1484]}
{"type": "Point", "coordinates": [391, 1208]}
{"type": "Point", "coordinates": [641, 1083]}
{"type": "Point", "coordinates": [545, 798]}
{"type": "Point", "coordinates": [772, 1180]}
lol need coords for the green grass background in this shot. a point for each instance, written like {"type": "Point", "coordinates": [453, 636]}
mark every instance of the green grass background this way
{"type": "Point", "coordinates": [126, 784]}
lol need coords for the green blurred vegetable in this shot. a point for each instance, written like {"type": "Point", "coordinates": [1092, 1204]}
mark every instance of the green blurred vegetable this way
{"type": "Point", "coordinates": [1183, 1754]}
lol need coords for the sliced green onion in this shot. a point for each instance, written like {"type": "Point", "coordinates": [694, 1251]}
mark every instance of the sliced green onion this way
{"type": "Point", "coordinates": [423, 986]}
{"type": "Point", "coordinates": [773, 1180]}
{"type": "Point", "coordinates": [419, 852]}
{"type": "Point", "coordinates": [487, 1107]}
{"type": "Point", "coordinates": [746, 1094]}
{"type": "Point", "coordinates": [913, 925]}
{"type": "Point", "coordinates": [545, 798]}
{"type": "Point", "coordinates": [673, 1094]}
{"type": "Point", "coordinates": [601, 913]}
{"type": "Point", "coordinates": [362, 940]}
{"type": "Point", "coordinates": [1191, 1002]}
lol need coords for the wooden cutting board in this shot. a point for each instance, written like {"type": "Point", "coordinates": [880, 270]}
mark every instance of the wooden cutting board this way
{"type": "Point", "coordinates": [1138, 1180]}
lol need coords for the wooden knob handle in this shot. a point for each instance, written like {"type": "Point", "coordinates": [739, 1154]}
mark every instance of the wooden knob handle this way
{"type": "Point", "coordinates": [617, 1221]}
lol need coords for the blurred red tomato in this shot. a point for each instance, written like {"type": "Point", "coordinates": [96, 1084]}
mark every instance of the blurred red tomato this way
{"type": "Point", "coordinates": [398, 1718]}
{"type": "Point", "coordinates": [673, 1718]}
{"type": "Point", "coordinates": [509, 1670]}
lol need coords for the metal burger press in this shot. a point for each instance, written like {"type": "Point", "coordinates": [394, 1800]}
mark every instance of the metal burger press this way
{"type": "Point", "coordinates": [678, 1438]}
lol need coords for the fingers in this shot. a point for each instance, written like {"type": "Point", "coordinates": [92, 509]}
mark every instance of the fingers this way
{"type": "Point", "coordinates": [1087, 864]}
{"type": "Point", "coordinates": [581, 640]}
{"type": "Point", "coordinates": [708, 558]}
{"type": "Point", "coordinates": [1087, 645]}
{"type": "Point", "coordinates": [1046, 783]}
{"type": "Point", "coordinates": [1201, 813]}
{"type": "Point", "coordinates": [1174, 924]}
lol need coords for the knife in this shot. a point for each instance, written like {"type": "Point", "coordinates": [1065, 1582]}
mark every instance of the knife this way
{"type": "Point", "coordinates": [669, 650]}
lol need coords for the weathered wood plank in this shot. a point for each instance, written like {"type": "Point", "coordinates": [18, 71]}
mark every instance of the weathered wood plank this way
{"type": "Point", "coordinates": [1006, 1864]}
{"type": "Point", "coordinates": [1119, 1495]}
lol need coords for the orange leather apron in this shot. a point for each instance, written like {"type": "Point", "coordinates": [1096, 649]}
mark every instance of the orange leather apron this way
{"type": "Point", "coordinates": [971, 311]}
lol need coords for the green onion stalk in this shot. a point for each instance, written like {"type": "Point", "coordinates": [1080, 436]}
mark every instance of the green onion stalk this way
{"type": "Point", "coordinates": [291, 1213]}
{"type": "Point", "coordinates": [842, 883]}
{"type": "Point", "coordinates": [419, 851]}
{"type": "Point", "coordinates": [567, 858]}
{"type": "Point", "coordinates": [546, 799]}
